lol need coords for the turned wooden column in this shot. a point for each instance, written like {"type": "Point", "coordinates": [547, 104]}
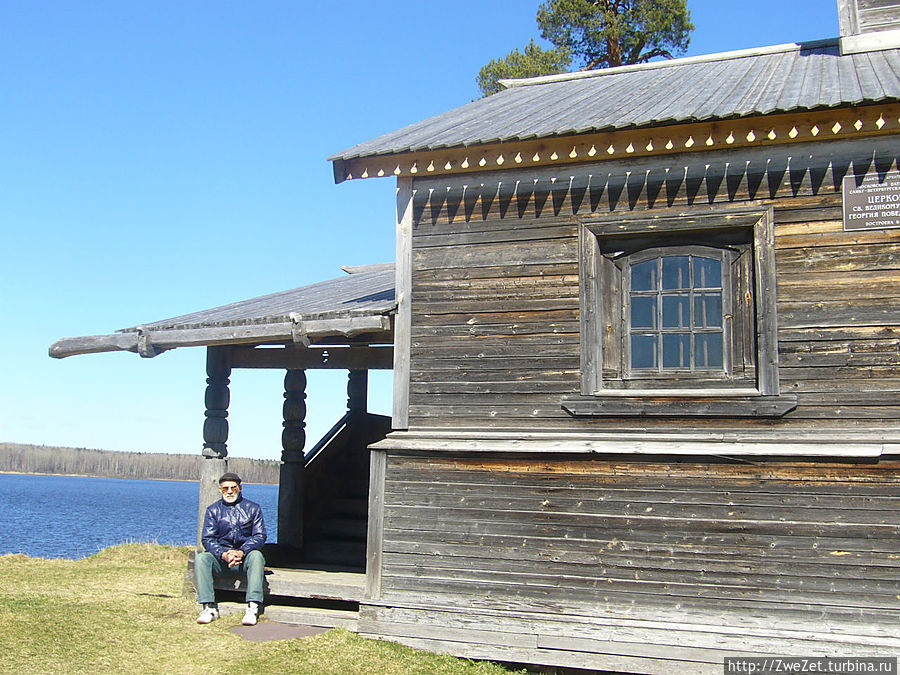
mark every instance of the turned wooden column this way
{"type": "Point", "coordinates": [215, 430]}
{"type": "Point", "coordinates": [290, 482]}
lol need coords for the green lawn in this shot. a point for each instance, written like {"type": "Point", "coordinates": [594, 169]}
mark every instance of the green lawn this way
{"type": "Point", "coordinates": [121, 611]}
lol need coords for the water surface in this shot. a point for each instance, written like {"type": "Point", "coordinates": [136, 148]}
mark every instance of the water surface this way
{"type": "Point", "coordinates": [76, 516]}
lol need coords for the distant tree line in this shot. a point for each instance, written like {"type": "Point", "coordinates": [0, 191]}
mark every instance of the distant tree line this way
{"type": "Point", "coordinates": [21, 458]}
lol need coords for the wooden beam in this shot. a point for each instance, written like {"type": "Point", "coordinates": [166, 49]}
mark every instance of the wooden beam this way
{"type": "Point", "coordinates": [152, 342]}
{"type": "Point", "coordinates": [294, 357]}
{"type": "Point", "coordinates": [590, 302]}
{"type": "Point", "coordinates": [403, 294]}
{"type": "Point", "coordinates": [94, 344]}
{"type": "Point", "coordinates": [788, 128]}
{"type": "Point", "coordinates": [306, 330]}
{"type": "Point", "coordinates": [375, 531]}
{"type": "Point", "coordinates": [226, 335]}
{"type": "Point", "coordinates": [682, 220]}
{"type": "Point", "coordinates": [848, 17]}
{"type": "Point", "coordinates": [547, 445]}
{"type": "Point", "coordinates": [161, 340]}
{"type": "Point", "coordinates": [766, 305]}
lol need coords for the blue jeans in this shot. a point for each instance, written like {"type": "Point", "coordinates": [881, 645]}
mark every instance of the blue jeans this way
{"type": "Point", "coordinates": [206, 566]}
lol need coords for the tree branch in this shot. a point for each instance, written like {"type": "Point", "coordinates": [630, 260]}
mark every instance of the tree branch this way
{"type": "Point", "coordinates": [644, 58]}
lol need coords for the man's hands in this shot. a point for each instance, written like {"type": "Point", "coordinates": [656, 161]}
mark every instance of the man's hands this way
{"type": "Point", "coordinates": [233, 557]}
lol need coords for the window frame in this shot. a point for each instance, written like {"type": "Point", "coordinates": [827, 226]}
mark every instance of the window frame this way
{"type": "Point", "coordinates": [753, 324]}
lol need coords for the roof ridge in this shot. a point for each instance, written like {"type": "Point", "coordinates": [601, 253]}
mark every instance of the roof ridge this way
{"type": "Point", "coordinates": [669, 63]}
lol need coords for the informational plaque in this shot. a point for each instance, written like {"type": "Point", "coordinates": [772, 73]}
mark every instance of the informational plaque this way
{"type": "Point", "coordinates": [874, 203]}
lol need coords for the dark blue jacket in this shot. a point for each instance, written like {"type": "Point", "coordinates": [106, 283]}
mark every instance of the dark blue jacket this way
{"type": "Point", "coordinates": [228, 526]}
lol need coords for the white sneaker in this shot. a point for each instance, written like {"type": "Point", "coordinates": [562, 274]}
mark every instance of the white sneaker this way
{"type": "Point", "coordinates": [208, 615]}
{"type": "Point", "coordinates": [251, 615]}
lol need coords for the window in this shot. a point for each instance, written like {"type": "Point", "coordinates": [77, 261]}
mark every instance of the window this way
{"type": "Point", "coordinates": [675, 311]}
{"type": "Point", "coordinates": [678, 308]}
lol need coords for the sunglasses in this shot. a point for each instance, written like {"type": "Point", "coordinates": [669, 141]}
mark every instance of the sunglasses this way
{"type": "Point", "coordinates": [231, 488]}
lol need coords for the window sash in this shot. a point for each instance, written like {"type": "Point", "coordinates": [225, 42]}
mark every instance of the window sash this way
{"type": "Point", "coordinates": [653, 297]}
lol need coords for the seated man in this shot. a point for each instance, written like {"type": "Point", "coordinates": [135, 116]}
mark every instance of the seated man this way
{"type": "Point", "coordinates": [233, 533]}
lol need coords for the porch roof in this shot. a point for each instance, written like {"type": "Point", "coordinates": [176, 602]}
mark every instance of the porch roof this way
{"type": "Point", "coordinates": [356, 304]}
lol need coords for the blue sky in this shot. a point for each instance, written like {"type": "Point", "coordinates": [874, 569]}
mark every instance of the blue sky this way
{"type": "Point", "coordinates": [166, 157]}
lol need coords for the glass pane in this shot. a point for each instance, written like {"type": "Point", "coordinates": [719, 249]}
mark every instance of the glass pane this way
{"type": "Point", "coordinates": [676, 272]}
{"type": "Point", "coordinates": [643, 276]}
{"type": "Point", "coordinates": [643, 352]}
{"type": "Point", "coordinates": [707, 273]}
{"type": "Point", "coordinates": [707, 310]}
{"type": "Point", "coordinates": [676, 311]}
{"type": "Point", "coordinates": [708, 350]}
{"type": "Point", "coordinates": [643, 311]}
{"type": "Point", "coordinates": [676, 350]}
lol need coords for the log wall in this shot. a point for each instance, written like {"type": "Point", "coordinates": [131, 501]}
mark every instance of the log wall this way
{"type": "Point", "coordinates": [868, 16]}
{"type": "Point", "coordinates": [495, 325]}
{"type": "Point", "coordinates": [637, 566]}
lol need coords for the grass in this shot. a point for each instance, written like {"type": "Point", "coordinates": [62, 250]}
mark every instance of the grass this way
{"type": "Point", "coordinates": [121, 611]}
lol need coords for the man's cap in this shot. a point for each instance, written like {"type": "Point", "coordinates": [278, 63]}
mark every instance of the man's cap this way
{"type": "Point", "coordinates": [233, 477]}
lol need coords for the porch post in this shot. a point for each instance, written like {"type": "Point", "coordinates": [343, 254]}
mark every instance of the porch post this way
{"type": "Point", "coordinates": [215, 430]}
{"type": "Point", "coordinates": [357, 391]}
{"type": "Point", "coordinates": [293, 438]}
{"type": "Point", "coordinates": [357, 395]}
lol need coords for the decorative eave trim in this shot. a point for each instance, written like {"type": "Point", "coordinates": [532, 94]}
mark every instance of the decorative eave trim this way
{"type": "Point", "coordinates": [786, 128]}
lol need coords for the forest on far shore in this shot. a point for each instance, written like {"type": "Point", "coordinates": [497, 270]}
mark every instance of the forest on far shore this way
{"type": "Point", "coordinates": [23, 458]}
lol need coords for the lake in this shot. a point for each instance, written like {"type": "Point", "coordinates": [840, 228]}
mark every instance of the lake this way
{"type": "Point", "coordinates": [75, 516]}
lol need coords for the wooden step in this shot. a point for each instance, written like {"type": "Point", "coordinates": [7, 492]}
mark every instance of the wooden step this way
{"type": "Point", "coordinates": [308, 583]}
{"type": "Point", "coordinates": [304, 616]}
{"type": "Point", "coordinates": [314, 616]}
{"type": "Point", "coordinates": [305, 583]}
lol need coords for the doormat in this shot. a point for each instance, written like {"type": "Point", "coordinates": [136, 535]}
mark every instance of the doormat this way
{"type": "Point", "coordinates": [272, 630]}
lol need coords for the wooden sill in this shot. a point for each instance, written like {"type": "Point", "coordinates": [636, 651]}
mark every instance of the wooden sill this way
{"type": "Point", "coordinates": [669, 405]}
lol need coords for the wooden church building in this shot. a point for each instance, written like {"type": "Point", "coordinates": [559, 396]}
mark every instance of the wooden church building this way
{"type": "Point", "coordinates": [644, 325]}
{"type": "Point", "coordinates": [647, 363]}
